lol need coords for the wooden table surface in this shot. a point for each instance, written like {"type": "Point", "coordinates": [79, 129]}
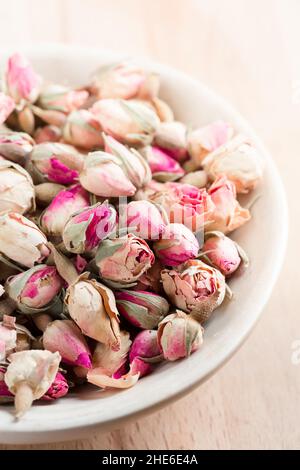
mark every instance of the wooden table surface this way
{"type": "Point", "coordinates": [247, 50]}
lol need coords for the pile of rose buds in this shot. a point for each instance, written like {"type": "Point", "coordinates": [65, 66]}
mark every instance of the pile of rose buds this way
{"type": "Point", "coordinates": [114, 223]}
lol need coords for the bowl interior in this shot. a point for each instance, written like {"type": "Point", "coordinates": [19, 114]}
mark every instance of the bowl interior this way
{"type": "Point", "coordinates": [263, 239]}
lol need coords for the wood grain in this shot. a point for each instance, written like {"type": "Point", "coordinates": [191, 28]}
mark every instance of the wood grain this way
{"type": "Point", "coordinates": [249, 52]}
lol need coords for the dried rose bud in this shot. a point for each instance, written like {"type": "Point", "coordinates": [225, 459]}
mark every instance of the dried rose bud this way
{"type": "Point", "coordinates": [144, 352]}
{"type": "Point", "coordinates": [63, 206]}
{"type": "Point", "coordinates": [150, 280]}
{"type": "Point", "coordinates": [16, 188]}
{"type": "Point", "coordinates": [83, 130]}
{"type": "Point", "coordinates": [60, 98]}
{"type": "Point", "coordinates": [195, 288]}
{"type": "Point", "coordinates": [142, 309]}
{"type": "Point", "coordinates": [15, 146]}
{"type": "Point", "coordinates": [227, 215]}
{"type": "Point", "coordinates": [21, 240]}
{"type": "Point", "coordinates": [123, 260]}
{"type": "Point", "coordinates": [45, 192]}
{"type": "Point", "coordinates": [144, 220]}
{"type": "Point", "coordinates": [29, 375]}
{"type": "Point", "coordinates": [35, 288]}
{"type": "Point", "coordinates": [222, 252]}
{"type": "Point", "coordinates": [172, 138]}
{"type": "Point", "coordinates": [163, 167]}
{"type": "Point", "coordinates": [184, 204]}
{"type": "Point", "coordinates": [88, 227]}
{"type": "Point", "coordinates": [130, 122]}
{"type": "Point", "coordinates": [58, 389]}
{"type": "Point", "coordinates": [177, 245]}
{"type": "Point", "coordinates": [195, 178]}
{"type": "Point", "coordinates": [179, 335]}
{"type": "Point", "coordinates": [66, 338]}
{"type": "Point", "coordinates": [93, 308]}
{"type": "Point", "coordinates": [20, 80]}
{"type": "Point", "coordinates": [47, 133]}
{"type": "Point", "coordinates": [207, 139]}
{"type": "Point", "coordinates": [56, 162]}
{"type": "Point", "coordinates": [7, 105]}
{"type": "Point", "coordinates": [125, 80]}
{"type": "Point", "coordinates": [239, 161]}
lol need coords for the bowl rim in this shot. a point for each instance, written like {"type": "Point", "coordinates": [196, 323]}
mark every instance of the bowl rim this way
{"type": "Point", "coordinates": [87, 423]}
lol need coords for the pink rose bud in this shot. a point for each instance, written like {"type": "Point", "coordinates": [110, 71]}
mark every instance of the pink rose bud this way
{"type": "Point", "coordinates": [206, 139]}
{"type": "Point", "coordinates": [56, 162]}
{"type": "Point", "coordinates": [130, 122]}
{"type": "Point", "coordinates": [7, 105]}
{"type": "Point", "coordinates": [177, 245]}
{"type": "Point", "coordinates": [222, 252]}
{"type": "Point", "coordinates": [88, 227]}
{"type": "Point", "coordinates": [195, 288]}
{"type": "Point", "coordinates": [179, 335]}
{"type": "Point", "coordinates": [144, 220]}
{"type": "Point", "coordinates": [21, 240]}
{"type": "Point", "coordinates": [64, 204]}
{"type": "Point", "coordinates": [227, 215]}
{"type": "Point", "coordinates": [171, 137]}
{"type": "Point", "coordinates": [60, 98]}
{"type": "Point", "coordinates": [66, 338]}
{"type": "Point", "coordinates": [20, 80]}
{"type": "Point", "coordinates": [239, 161]}
{"type": "Point", "coordinates": [93, 308]}
{"type": "Point", "coordinates": [16, 188]}
{"type": "Point", "coordinates": [144, 352]}
{"type": "Point", "coordinates": [185, 204]}
{"type": "Point", "coordinates": [125, 80]}
{"type": "Point", "coordinates": [83, 130]}
{"type": "Point", "coordinates": [47, 133]}
{"type": "Point", "coordinates": [29, 376]}
{"type": "Point", "coordinates": [122, 261]}
{"type": "Point", "coordinates": [35, 288]}
{"type": "Point", "coordinates": [15, 146]}
{"type": "Point", "coordinates": [142, 309]}
{"type": "Point", "coordinates": [163, 167]}
{"type": "Point", "coordinates": [58, 389]}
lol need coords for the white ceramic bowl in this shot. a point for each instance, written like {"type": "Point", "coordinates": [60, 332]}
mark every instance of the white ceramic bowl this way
{"type": "Point", "coordinates": [264, 239]}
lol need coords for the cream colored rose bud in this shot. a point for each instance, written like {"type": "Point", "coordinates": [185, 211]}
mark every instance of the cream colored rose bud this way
{"type": "Point", "coordinates": [16, 188]}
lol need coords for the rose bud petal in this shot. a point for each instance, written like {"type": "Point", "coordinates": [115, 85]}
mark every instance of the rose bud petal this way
{"type": "Point", "coordinates": [144, 220]}
{"type": "Point", "coordinates": [171, 137]}
{"type": "Point", "coordinates": [83, 130]}
{"type": "Point", "coordinates": [15, 146]}
{"type": "Point", "coordinates": [239, 161]}
{"type": "Point", "coordinates": [56, 162]}
{"type": "Point", "coordinates": [66, 338]}
{"type": "Point", "coordinates": [80, 264]}
{"type": "Point", "coordinates": [162, 109]}
{"type": "Point", "coordinates": [93, 308]}
{"type": "Point", "coordinates": [20, 80]}
{"type": "Point", "coordinates": [35, 288]}
{"type": "Point", "coordinates": [51, 117]}
{"type": "Point", "coordinates": [163, 167]}
{"type": "Point", "coordinates": [195, 288]}
{"type": "Point", "coordinates": [88, 227]}
{"type": "Point", "coordinates": [195, 178]}
{"type": "Point", "coordinates": [227, 215]}
{"type": "Point", "coordinates": [47, 134]}
{"type": "Point", "coordinates": [29, 375]}
{"type": "Point", "coordinates": [123, 260]}
{"type": "Point", "coordinates": [58, 389]}
{"type": "Point", "coordinates": [148, 190]}
{"type": "Point", "coordinates": [62, 207]}
{"type": "Point", "coordinates": [207, 139]}
{"type": "Point", "coordinates": [179, 335]}
{"type": "Point", "coordinates": [16, 188]}
{"type": "Point", "coordinates": [178, 244]}
{"type": "Point", "coordinates": [185, 204]}
{"type": "Point", "coordinates": [142, 309]}
{"type": "Point", "coordinates": [7, 105]}
{"type": "Point", "coordinates": [45, 192]}
{"type": "Point", "coordinates": [21, 240]}
{"type": "Point", "coordinates": [223, 253]}
{"type": "Point", "coordinates": [150, 280]}
{"type": "Point", "coordinates": [130, 122]}
{"type": "Point", "coordinates": [144, 352]}
{"type": "Point", "coordinates": [125, 80]}
{"type": "Point", "coordinates": [8, 339]}
{"type": "Point", "coordinates": [60, 98]}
